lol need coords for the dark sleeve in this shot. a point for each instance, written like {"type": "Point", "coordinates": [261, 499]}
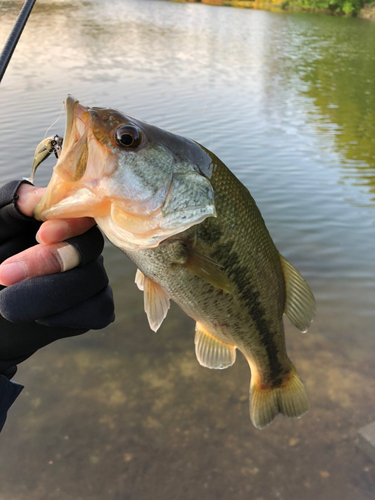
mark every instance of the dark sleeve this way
{"type": "Point", "coordinates": [8, 394]}
{"type": "Point", "coordinates": [12, 222]}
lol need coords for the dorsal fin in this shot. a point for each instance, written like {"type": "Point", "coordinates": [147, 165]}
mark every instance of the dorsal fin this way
{"type": "Point", "coordinates": [211, 352]}
{"type": "Point", "coordinates": [156, 301]}
{"type": "Point", "coordinates": [299, 302]}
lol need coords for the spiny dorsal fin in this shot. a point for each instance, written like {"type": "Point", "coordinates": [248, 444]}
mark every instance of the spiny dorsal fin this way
{"type": "Point", "coordinates": [211, 352]}
{"type": "Point", "coordinates": [207, 269]}
{"type": "Point", "coordinates": [299, 302]}
{"type": "Point", "coordinates": [156, 301]}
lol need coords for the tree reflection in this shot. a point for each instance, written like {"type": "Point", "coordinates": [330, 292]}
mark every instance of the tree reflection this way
{"type": "Point", "coordinates": [342, 84]}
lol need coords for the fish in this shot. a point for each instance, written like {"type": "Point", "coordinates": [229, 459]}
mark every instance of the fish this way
{"type": "Point", "coordinates": [196, 236]}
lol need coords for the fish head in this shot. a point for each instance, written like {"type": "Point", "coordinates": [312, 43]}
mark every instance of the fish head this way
{"type": "Point", "coordinates": [140, 183]}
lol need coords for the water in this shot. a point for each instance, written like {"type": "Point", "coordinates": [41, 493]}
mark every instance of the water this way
{"type": "Point", "coordinates": [286, 101]}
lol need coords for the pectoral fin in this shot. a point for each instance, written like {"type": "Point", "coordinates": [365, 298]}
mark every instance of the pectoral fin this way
{"type": "Point", "coordinates": [300, 302]}
{"type": "Point", "coordinates": [156, 301]}
{"type": "Point", "coordinates": [211, 352]}
{"type": "Point", "coordinates": [207, 269]}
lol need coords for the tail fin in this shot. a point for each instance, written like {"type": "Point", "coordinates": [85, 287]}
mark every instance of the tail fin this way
{"type": "Point", "coordinates": [289, 398]}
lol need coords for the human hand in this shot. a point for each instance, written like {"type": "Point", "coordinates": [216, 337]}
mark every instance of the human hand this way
{"type": "Point", "coordinates": [39, 306]}
{"type": "Point", "coordinates": [52, 255]}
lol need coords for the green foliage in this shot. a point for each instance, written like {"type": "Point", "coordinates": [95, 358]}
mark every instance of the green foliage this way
{"type": "Point", "coordinates": [349, 7]}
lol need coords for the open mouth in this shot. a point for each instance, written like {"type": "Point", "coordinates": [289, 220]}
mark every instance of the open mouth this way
{"type": "Point", "coordinates": [60, 199]}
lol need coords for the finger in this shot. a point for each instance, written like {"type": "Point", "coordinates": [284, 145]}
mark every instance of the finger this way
{"type": "Point", "coordinates": [28, 198]}
{"type": "Point", "coordinates": [51, 231]}
{"type": "Point", "coordinates": [54, 231]}
{"type": "Point", "coordinates": [12, 221]}
{"type": "Point", "coordinates": [44, 296]}
{"type": "Point", "coordinates": [39, 260]}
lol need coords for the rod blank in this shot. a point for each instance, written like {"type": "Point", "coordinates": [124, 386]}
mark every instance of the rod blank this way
{"type": "Point", "coordinates": [14, 36]}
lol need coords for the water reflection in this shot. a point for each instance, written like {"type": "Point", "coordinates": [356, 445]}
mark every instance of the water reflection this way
{"type": "Point", "coordinates": [341, 82]}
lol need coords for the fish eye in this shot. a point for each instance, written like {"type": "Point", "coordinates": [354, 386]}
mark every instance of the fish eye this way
{"type": "Point", "coordinates": [128, 136]}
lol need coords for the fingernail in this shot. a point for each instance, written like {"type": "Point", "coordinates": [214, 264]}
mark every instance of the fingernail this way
{"type": "Point", "coordinates": [12, 273]}
{"type": "Point", "coordinates": [53, 232]}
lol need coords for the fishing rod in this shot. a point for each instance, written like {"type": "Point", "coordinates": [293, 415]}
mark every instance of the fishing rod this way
{"type": "Point", "coordinates": [14, 36]}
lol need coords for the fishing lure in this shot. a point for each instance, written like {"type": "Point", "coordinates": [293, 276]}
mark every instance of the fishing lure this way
{"type": "Point", "coordinates": [44, 150]}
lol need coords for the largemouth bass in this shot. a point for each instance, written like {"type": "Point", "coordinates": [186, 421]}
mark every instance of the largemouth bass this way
{"type": "Point", "coordinates": [196, 236]}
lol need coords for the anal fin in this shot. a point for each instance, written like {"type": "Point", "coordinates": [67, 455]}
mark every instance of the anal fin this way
{"type": "Point", "coordinates": [211, 352]}
{"type": "Point", "coordinates": [156, 301]}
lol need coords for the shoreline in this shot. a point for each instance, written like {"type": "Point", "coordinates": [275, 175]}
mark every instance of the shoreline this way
{"type": "Point", "coordinates": [365, 12]}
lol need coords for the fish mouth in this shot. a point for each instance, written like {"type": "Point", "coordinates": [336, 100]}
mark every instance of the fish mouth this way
{"type": "Point", "coordinates": [65, 195]}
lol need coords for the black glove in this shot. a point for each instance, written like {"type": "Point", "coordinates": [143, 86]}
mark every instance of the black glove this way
{"type": "Point", "coordinates": [38, 311]}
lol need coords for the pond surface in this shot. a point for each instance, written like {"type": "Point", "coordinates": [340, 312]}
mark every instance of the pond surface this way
{"type": "Point", "coordinates": [287, 102]}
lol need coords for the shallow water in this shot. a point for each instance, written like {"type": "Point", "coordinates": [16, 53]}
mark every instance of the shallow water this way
{"type": "Point", "coordinates": [286, 101]}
